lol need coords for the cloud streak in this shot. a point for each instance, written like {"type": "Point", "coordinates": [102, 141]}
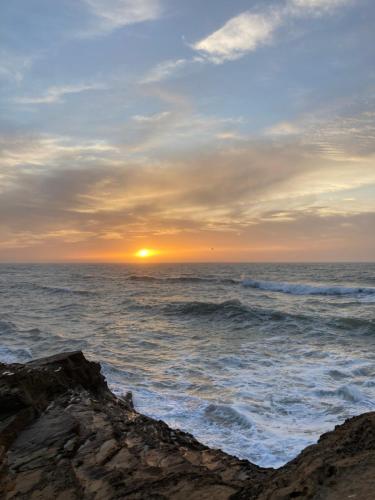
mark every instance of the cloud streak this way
{"type": "Point", "coordinates": [13, 67]}
{"type": "Point", "coordinates": [315, 6]}
{"type": "Point", "coordinates": [166, 69]}
{"type": "Point", "coordinates": [114, 14]}
{"type": "Point", "coordinates": [57, 94]}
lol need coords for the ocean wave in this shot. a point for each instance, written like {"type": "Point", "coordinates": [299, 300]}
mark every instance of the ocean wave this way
{"type": "Point", "coordinates": [229, 309]}
{"type": "Point", "coordinates": [350, 323]}
{"type": "Point", "coordinates": [56, 289]}
{"type": "Point", "coordinates": [305, 289]}
{"type": "Point", "coordinates": [145, 277]}
{"type": "Point", "coordinates": [10, 329]}
{"type": "Point", "coordinates": [365, 294]}
{"type": "Point", "coordinates": [235, 310]}
{"type": "Point", "coordinates": [367, 299]}
{"type": "Point", "coordinates": [6, 326]}
{"type": "Point", "coordinates": [64, 308]}
{"type": "Point", "coordinates": [227, 415]}
{"type": "Point", "coordinates": [203, 308]}
{"type": "Point", "coordinates": [14, 355]}
{"type": "Point", "coordinates": [184, 279]}
{"type": "Point", "coordinates": [349, 392]}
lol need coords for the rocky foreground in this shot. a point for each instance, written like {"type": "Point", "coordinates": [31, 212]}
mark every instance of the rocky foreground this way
{"type": "Point", "coordinates": [64, 435]}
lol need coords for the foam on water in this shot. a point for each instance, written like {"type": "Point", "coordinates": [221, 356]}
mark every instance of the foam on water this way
{"type": "Point", "coordinates": [305, 289]}
{"type": "Point", "coordinates": [260, 370]}
{"type": "Point", "coordinates": [20, 355]}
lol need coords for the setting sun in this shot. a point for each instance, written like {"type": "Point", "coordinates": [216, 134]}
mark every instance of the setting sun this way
{"type": "Point", "coordinates": [144, 253]}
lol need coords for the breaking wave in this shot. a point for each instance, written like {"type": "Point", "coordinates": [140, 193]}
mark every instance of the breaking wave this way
{"type": "Point", "coordinates": [364, 293]}
{"type": "Point", "coordinates": [349, 393]}
{"type": "Point", "coordinates": [227, 415]}
{"type": "Point", "coordinates": [304, 289]}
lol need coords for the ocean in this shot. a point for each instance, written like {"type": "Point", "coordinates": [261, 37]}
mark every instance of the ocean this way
{"type": "Point", "coordinates": [257, 359]}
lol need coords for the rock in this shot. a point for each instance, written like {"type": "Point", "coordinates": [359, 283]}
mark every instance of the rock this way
{"type": "Point", "coordinates": [64, 435]}
{"type": "Point", "coordinates": [341, 465]}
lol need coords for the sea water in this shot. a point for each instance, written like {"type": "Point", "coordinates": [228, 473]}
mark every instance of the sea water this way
{"type": "Point", "coordinates": [256, 359]}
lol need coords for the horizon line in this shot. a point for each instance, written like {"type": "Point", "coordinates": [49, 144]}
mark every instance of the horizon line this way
{"type": "Point", "coordinates": [142, 263]}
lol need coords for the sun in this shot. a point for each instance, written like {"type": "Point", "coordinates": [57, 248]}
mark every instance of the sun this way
{"type": "Point", "coordinates": [143, 253]}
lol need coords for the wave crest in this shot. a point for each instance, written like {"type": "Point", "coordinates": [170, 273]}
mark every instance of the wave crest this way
{"type": "Point", "coordinates": [305, 289]}
{"type": "Point", "coordinates": [229, 310]}
{"type": "Point", "coordinates": [227, 415]}
{"type": "Point", "coordinates": [234, 307]}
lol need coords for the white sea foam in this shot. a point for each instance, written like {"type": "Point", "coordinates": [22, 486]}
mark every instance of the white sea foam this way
{"type": "Point", "coordinates": [15, 355]}
{"type": "Point", "coordinates": [306, 289]}
{"type": "Point", "coordinates": [7, 356]}
{"type": "Point", "coordinates": [368, 299]}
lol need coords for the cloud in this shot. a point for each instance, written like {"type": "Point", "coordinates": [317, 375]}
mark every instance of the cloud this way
{"type": "Point", "coordinates": [174, 179]}
{"type": "Point", "coordinates": [56, 94]}
{"type": "Point", "coordinates": [156, 117]}
{"type": "Point", "coordinates": [180, 126]}
{"type": "Point", "coordinates": [117, 13]}
{"type": "Point", "coordinates": [332, 134]}
{"type": "Point", "coordinates": [251, 30]}
{"type": "Point", "coordinates": [13, 67]}
{"type": "Point", "coordinates": [74, 193]}
{"type": "Point", "coordinates": [316, 6]}
{"type": "Point", "coordinates": [43, 151]}
{"type": "Point", "coordinates": [283, 129]}
{"type": "Point", "coordinates": [166, 69]}
{"type": "Point", "coordinates": [230, 136]}
{"type": "Point", "coordinates": [240, 35]}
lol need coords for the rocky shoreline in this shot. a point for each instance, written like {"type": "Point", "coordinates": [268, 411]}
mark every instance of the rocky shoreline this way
{"type": "Point", "coordinates": [64, 435]}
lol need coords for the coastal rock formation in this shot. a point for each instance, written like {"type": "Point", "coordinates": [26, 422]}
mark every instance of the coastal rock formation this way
{"type": "Point", "coordinates": [64, 435]}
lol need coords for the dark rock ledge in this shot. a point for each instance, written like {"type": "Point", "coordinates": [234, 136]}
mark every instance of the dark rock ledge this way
{"type": "Point", "coordinates": [64, 435]}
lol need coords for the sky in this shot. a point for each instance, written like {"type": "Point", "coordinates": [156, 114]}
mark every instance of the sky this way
{"type": "Point", "coordinates": [215, 130]}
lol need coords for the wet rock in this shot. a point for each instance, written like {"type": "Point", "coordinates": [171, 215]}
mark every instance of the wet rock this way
{"type": "Point", "coordinates": [64, 435]}
{"type": "Point", "coordinates": [341, 465]}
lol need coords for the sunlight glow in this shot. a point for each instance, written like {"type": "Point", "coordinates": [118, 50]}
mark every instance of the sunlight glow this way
{"type": "Point", "coordinates": [143, 253]}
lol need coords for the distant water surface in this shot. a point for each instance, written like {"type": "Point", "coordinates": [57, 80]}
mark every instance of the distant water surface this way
{"type": "Point", "coordinates": [258, 359]}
